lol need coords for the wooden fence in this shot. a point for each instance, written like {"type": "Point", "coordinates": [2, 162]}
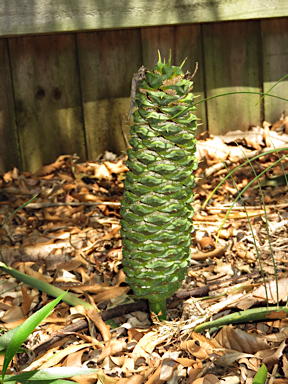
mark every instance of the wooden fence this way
{"type": "Point", "coordinates": [65, 93]}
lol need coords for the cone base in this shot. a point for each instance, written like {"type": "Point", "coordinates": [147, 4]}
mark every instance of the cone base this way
{"type": "Point", "coordinates": [159, 309]}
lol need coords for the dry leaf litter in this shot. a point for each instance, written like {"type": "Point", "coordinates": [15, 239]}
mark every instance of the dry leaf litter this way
{"type": "Point", "coordinates": [69, 237]}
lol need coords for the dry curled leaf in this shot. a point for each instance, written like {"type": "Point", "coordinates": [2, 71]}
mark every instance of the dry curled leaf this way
{"type": "Point", "coordinates": [194, 348]}
{"type": "Point", "coordinates": [241, 341]}
{"type": "Point", "coordinates": [208, 379]}
{"type": "Point", "coordinates": [93, 314]}
{"type": "Point", "coordinates": [272, 292]}
{"type": "Point", "coordinates": [206, 244]}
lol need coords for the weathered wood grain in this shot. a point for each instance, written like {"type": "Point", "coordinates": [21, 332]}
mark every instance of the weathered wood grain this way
{"type": "Point", "coordinates": [232, 53]}
{"type": "Point", "coordinates": [46, 16]}
{"type": "Point", "coordinates": [275, 66]}
{"type": "Point", "coordinates": [47, 98]}
{"type": "Point", "coordinates": [184, 42]}
{"type": "Point", "coordinates": [189, 44]}
{"type": "Point", "coordinates": [9, 144]}
{"type": "Point", "coordinates": [107, 62]}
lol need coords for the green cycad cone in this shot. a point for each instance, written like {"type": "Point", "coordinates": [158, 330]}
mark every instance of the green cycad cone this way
{"type": "Point", "coordinates": [156, 210]}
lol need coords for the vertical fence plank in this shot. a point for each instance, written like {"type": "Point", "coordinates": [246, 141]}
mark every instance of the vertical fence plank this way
{"type": "Point", "coordinates": [183, 41]}
{"type": "Point", "coordinates": [9, 145]}
{"type": "Point", "coordinates": [154, 39]}
{"type": "Point", "coordinates": [188, 44]}
{"type": "Point", "coordinates": [47, 98]}
{"type": "Point", "coordinates": [232, 53]}
{"type": "Point", "coordinates": [107, 62]}
{"type": "Point", "coordinates": [275, 65]}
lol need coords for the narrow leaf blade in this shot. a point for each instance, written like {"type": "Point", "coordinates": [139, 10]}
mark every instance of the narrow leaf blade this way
{"type": "Point", "coordinates": [25, 330]}
{"type": "Point", "coordinates": [50, 374]}
{"type": "Point", "coordinates": [261, 375]}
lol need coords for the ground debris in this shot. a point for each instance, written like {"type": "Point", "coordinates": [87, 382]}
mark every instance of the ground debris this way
{"type": "Point", "coordinates": [69, 236]}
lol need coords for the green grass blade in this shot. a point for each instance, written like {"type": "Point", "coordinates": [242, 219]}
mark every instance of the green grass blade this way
{"type": "Point", "coordinates": [252, 233]}
{"type": "Point", "coordinates": [48, 382]}
{"type": "Point", "coordinates": [244, 189]}
{"type": "Point", "coordinates": [274, 85]}
{"type": "Point", "coordinates": [50, 374]}
{"type": "Point", "coordinates": [16, 210]}
{"type": "Point", "coordinates": [237, 92]}
{"type": "Point", "coordinates": [25, 330]}
{"type": "Point", "coordinates": [282, 167]}
{"type": "Point", "coordinates": [45, 287]}
{"type": "Point", "coordinates": [5, 339]}
{"type": "Point", "coordinates": [59, 381]}
{"type": "Point", "coordinates": [268, 232]}
{"type": "Point", "coordinates": [242, 165]}
{"type": "Point", "coordinates": [261, 375]}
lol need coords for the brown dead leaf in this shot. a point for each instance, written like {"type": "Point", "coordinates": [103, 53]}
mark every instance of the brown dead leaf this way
{"type": "Point", "coordinates": [70, 265]}
{"type": "Point", "coordinates": [206, 244]}
{"type": "Point", "coordinates": [92, 379]}
{"type": "Point", "coordinates": [241, 341]}
{"type": "Point", "coordinates": [88, 288]}
{"type": "Point", "coordinates": [48, 169]}
{"type": "Point", "coordinates": [213, 149]}
{"type": "Point", "coordinates": [223, 269]}
{"type": "Point", "coordinates": [102, 173]}
{"type": "Point", "coordinates": [229, 357]}
{"type": "Point", "coordinates": [279, 125]}
{"type": "Point", "coordinates": [27, 301]}
{"type": "Point", "coordinates": [147, 343]}
{"type": "Point", "coordinates": [59, 356]}
{"type": "Point", "coordinates": [204, 342]}
{"type": "Point", "coordinates": [13, 315]}
{"type": "Point", "coordinates": [285, 366]}
{"type": "Point", "coordinates": [208, 379]}
{"type": "Point", "coordinates": [136, 379]}
{"type": "Point", "coordinates": [88, 197]}
{"type": "Point", "coordinates": [134, 335]}
{"type": "Point", "coordinates": [116, 168]}
{"type": "Point", "coordinates": [104, 329]}
{"type": "Point", "coordinates": [36, 364]}
{"type": "Point", "coordinates": [110, 235]}
{"type": "Point", "coordinates": [113, 347]}
{"type": "Point", "coordinates": [273, 359]}
{"type": "Point", "coordinates": [168, 367]}
{"type": "Point", "coordinates": [29, 271]}
{"type": "Point", "coordinates": [11, 175]}
{"type": "Point", "coordinates": [110, 293]}
{"type": "Point", "coordinates": [266, 136]}
{"type": "Point", "coordinates": [218, 252]}
{"type": "Point", "coordinates": [194, 348]}
{"type": "Point", "coordinates": [271, 288]}
{"type": "Point", "coordinates": [154, 378]}
{"type": "Point", "coordinates": [194, 372]}
{"type": "Point", "coordinates": [241, 250]}
{"type": "Point", "coordinates": [75, 359]}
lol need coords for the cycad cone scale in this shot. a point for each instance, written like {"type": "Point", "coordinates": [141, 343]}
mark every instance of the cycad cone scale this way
{"type": "Point", "coordinates": [156, 208]}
